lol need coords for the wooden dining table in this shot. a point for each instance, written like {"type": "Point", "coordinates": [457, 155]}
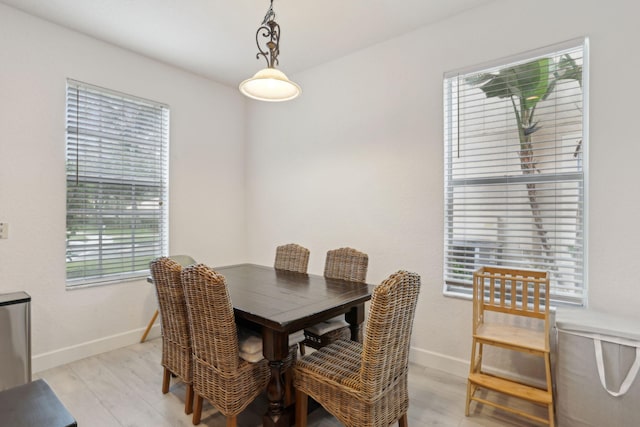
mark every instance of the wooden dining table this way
{"type": "Point", "coordinates": [279, 303]}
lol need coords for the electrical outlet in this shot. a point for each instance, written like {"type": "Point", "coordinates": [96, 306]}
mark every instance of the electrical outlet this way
{"type": "Point", "coordinates": [4, 230]}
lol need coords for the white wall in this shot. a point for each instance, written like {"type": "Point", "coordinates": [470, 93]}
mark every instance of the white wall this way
{"type": "Point", "coordinates": [358, 159]}
{"type": "Point", "coordinates": [206, 180]}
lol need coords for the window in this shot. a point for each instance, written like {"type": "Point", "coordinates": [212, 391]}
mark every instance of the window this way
{"type": "Point", "coordinates": [515, 145]}
{"type": "Point", "coordinates": [117, 172]}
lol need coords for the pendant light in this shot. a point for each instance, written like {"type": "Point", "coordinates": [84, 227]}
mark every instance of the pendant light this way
{"type": "Point", "coordinates": [269, 84]}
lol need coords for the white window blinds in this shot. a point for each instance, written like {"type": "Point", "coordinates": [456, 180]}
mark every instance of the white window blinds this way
{"type": "Point", "coordinates": [515, 142]}
{"type": "Point", "coordinates": [117, 172]}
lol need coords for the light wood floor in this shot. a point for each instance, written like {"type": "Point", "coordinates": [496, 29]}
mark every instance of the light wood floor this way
{"type": "Point", "coordinates": [123, 388]}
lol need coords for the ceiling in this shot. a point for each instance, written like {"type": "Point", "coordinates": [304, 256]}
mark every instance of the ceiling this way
{"type": "Point", "coordinates": [216, 38]}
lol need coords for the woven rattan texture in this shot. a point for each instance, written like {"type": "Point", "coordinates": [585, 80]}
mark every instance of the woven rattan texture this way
{"type": "Point", "coordinates": [292, 257]}
{"type": "Point", "coordinates": [219, 374]}
{"type": "Point", "coordinates": [176, 338]}
{"type": "Point", "coordinates": [365, 385]}
{"type": "Point", "coordinates": [346, 264]}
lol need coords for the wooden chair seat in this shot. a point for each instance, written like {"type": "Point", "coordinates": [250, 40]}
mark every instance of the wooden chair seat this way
{"type": "Point", "coordinates": [508, 336]}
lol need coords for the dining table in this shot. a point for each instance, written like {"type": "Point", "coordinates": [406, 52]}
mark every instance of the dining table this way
{"type": "Point", "coordinates": [279, 303]}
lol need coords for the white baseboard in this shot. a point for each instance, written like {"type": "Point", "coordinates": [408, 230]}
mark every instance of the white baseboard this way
{"type": "Point", "coordinates": [62, 356]}
{"type": "Point", "coordinates": [460, 367]}
{"type": "Point", "coordinates": [441, 362]}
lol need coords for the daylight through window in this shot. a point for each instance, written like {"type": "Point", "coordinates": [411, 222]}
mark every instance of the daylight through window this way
{"type": "Point", "coordinates": [116, 169]}
{"type": "Point", "coordinates": [515, 145]}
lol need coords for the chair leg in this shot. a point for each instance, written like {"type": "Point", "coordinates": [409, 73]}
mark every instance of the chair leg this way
{"type": "Point", "coordinates": [197, 410]}
{"type": "Point", "coordinates": [302, 348]}
{"type": "Point", "coordinates": [151, 322]}
{"type": "Point", "coordinates": [472, 368]}
{"type": "Point", "coordinates": [470, 392]}
{"type": "Point", "coordinates": [547, 365]}
{"type": "Point", "coordinates": [232, 421]}
{"type": "Point", "coordinates": [166, 378]}
{"type": "Point", "coordinates": [188, 400]}
{"type": "Point", "coordinates": [402, 422]}
{"type": "Point", "coordinates": [301, 409]}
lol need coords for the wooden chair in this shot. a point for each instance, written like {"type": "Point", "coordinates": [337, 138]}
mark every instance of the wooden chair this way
{"type": "Point", "coordinates": [176, 338]}
{"type": "Point", "coordinates": [342, 264]}
{"type": "Point", "coordinates": [365, 385]}
{"type": "Point", "coordinates": [510, 293]}
{"type": "Point", "coordinates": [219, 374]}
{"type": "Point", "coordinates": [292, 257]}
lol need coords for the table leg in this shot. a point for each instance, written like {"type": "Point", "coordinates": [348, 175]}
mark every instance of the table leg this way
{"type": "Point", "coordinates": [275, 348]}
{"type": "Point", "coordinates": [355, 317]}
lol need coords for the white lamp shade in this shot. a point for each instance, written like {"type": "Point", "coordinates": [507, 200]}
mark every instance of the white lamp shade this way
{"type": "Point", "coordinates": [270, 84]}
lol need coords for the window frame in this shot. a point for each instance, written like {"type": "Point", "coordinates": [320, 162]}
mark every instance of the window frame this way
{"type": "Point", "coordinates": [464, 290]}
{"type": "Point", "coordinates": [125, 160]}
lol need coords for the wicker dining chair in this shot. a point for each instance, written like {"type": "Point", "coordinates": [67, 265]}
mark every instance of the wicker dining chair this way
{"type": "Point", "coordinates": [346, 264]}
{"type": "Point", "coordinates": [176, 337]}
{"type": "Point", "coordinates": [342, 264]}
{"type": "Point", "coordinates": [228, 382]}
{"type": "Point", "coordinates": [365, 385]}
{"type": "Point", "coordinates": [292, 257]}
{"type": "Point", "coordinates": [295, 258]}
